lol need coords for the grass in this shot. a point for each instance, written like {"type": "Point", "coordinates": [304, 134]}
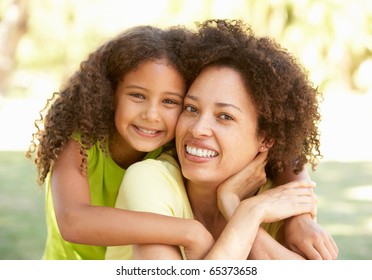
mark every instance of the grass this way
{"type": "Point", "coordinates": [345, 195]}
{"type": "Point", "coordinates": [22, 221]}
{"type": "Point", "coordinates": [344, 191]}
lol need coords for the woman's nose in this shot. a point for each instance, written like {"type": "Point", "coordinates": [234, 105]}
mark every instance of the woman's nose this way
{"type": "Point", "coordinates": [201, 127]}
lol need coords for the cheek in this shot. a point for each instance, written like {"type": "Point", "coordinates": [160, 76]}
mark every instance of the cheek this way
{"type": "Point", "coordinates": [171, 117]}
{"type": "Point", "coordinates": [180, 131]}
{"type": "Point", "coordinates": [122, 112]}
{"type": "Point", "coordinates": [242, 150]}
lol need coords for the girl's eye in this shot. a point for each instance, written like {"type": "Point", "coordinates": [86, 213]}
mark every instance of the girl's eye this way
{"type": "Point", "coordinates": [226, 117]}
{"type": "Point", "coordinates": [137, 95]}
{"type": "Point", "coordinates": [170, 102]}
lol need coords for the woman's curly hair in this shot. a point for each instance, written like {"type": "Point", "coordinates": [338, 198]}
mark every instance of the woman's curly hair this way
{"type": "Point", "coordinates": [84, 106]}
{"type": "Point", "coordinates": [285, 99]}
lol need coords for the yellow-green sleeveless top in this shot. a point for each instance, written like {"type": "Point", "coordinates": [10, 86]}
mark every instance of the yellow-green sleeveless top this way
{"type": "Point", "coordinates": [105, 177]}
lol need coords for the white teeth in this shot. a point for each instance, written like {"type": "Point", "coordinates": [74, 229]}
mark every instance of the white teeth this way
{"type": "Point", "coordinates": [147, 131]}
{"type": "Point", "coordinates": [200, 152]}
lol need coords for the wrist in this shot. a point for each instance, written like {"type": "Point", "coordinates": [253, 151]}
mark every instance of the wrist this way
{"type": "Point", "coordinates": [255, 210]}
{"type": "Point", "coordinates": [227, 203]}
{"type": "Point", "coordinates": [195, 233]}
{"type": "Point", "coordinates": [298, 218]}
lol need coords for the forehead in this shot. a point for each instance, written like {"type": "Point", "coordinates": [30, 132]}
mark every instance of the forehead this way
{"type": "Point", "coordinates": [220, 84]}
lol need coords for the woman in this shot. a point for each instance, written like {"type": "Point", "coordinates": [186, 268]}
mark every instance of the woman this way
{"type": "Point", "coordinates": [249, 97]}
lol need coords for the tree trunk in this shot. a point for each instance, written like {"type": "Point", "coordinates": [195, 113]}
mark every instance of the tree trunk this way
{"type": "Point", "coordinates": [12, 27]}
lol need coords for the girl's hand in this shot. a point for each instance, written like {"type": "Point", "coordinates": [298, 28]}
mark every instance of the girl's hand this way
{"type": "Point", "coordinates": [287, 200]}
{"type": "Point", "coordinates": [242, 185]}
{"type": "Point", "coordinates": [307, 238]}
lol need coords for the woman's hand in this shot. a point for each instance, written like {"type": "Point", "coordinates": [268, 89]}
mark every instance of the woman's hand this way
{"type": "Point", "coordinates": [307, 238]}
{"type": "Point", "coordinates": [242, 185]}
{"type": "Point", "coordinates": [287, 200]}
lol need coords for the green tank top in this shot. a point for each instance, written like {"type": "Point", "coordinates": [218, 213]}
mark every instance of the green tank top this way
{"type": "Point", "coordinates": [105, 178]}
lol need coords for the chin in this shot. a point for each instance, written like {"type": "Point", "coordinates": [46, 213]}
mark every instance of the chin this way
{"type": "Point", "coordinates": [201, 179]}
{"type": "Point", "coordinates": [146, 148]}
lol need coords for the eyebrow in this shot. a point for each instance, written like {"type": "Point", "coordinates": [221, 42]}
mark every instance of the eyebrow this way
{"type": "Point", "coordinates": [218, 104]}
{"type": "Point", "coordinates": [145, 89]}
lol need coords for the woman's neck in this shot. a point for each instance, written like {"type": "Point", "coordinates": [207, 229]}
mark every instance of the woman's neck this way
{"type": "Point", "coordinates": [203, 201]}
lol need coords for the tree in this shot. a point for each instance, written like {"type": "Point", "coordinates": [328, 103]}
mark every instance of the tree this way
{"type": "Point", "coordinates": [12, 27]}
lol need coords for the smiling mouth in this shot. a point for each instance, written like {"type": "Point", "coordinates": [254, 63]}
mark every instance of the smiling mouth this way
{"type": "Point", "coordinates": [202, 153]}
{"type": "Point", "coordinates": [147, 131]}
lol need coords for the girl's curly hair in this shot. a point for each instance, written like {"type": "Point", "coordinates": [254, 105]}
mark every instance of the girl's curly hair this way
{"type": "Point", "coordinates": [285, 99]}
{"type": "Point", "coordinates": [84, 106]}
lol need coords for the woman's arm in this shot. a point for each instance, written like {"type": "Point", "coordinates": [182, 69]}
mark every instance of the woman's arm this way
{"type": "Point", "coordinates": [310, 241]}
{"type": "Point", "coordinates": [241, 185]}
{"type": "Point", "coordinates": [273, 205]}
{"type": "Point", "coordinates": [246, 184]}
{"type": "Point", "coordinates": [276, 204]}
{"type": "Point", "coordinates": [80, 222]}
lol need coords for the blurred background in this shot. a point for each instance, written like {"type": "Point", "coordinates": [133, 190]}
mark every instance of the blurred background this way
{"type": "Point", "coordinates": [42, 43]}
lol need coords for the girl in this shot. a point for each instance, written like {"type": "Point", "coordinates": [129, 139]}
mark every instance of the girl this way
{"type": "Point", "coordinates": [119, 108]}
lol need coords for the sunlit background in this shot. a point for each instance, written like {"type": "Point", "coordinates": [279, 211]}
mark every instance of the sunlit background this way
{"type": "Point", "coordinates": [43, 41]}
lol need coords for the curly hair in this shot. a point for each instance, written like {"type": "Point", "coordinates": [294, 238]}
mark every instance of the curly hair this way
{"type": "Point", "coordinates": [84, 106]}
{"type": "Point", "coordinates": [285, 99]}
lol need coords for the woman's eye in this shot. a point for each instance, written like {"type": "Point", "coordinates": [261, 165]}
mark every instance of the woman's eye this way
{"type": "Point", "coordinates": [190, 108]}
{"type": "Point", "coordinates": [226, 117]}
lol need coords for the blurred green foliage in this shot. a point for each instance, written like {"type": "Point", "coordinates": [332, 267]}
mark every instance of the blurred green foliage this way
{"type": "Point", "coordinates": [332, 38]}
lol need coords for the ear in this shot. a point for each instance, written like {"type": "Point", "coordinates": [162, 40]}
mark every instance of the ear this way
{"type": "Point", "coordinates": [266, 144]}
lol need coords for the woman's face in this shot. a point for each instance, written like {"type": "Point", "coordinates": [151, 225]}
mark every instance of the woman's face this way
{"type": "Point", "coordinates": [216, 134]}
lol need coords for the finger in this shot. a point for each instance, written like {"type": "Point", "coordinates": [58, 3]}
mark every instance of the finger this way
{"type": "Point", "coordinates": [261, 158]}
{"type": "Point", "coordinates": [300, 208]}
{"type": "Point", "coordinates": [293, 193]}
{"type": "Point", "coordinates": [332, 248]}
{"type": "Point", "coordinates": [323, 250]}
{"type": "Point", "coordinates": [297, 250]}
{"type": "Point", "coordinates": [299, 184]}
{"type": "Point", "coordinates": [334, 245]}
{"type": "Point", "coordinates": [309, 252]}
{"type": "Point", "coordinates": [256, 164]}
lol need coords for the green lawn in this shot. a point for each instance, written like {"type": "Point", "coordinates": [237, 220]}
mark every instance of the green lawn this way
{"type": "Point", "coordinates": [22, 223]}
{"type": "Point", "coordinates": [344, 192]}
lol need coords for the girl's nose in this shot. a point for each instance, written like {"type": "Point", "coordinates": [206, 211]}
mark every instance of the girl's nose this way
{"type": "Point", "coordinates": [151, 114]}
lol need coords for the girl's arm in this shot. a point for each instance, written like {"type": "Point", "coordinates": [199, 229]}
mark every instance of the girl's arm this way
{"type": "Point", "coordinates": [302, 234]}
{"type": "Point", "coordinates": [265, 247]}
{"type": "Point", "coordinates": [307, 238]}
{"type": "Point", "coordinates": [80, 222]}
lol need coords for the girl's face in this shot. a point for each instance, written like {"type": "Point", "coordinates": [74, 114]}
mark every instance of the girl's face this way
{"type": "Point", "coordinates": [148, 102]}
{"type": "Point", "coordinates": [216, 134]}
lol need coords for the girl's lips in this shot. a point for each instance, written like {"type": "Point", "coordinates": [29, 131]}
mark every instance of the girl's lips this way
{"type": "Point", "coordinates": [146, 132]}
